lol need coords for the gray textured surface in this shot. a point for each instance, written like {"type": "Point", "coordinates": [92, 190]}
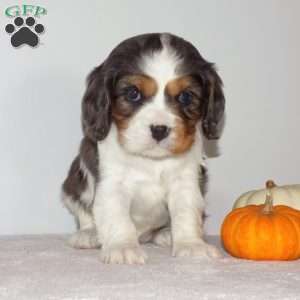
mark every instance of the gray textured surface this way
{"type": "Point", "coordinates": [44, 267]}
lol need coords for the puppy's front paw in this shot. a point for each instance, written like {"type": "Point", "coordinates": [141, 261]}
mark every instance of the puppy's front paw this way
{"type": "Point", "coordinates": [163, 238]}
{"type": "Point", "coordinates": [84, 239]}
{"type": "Point", "coordinates": [199, 249]}
{"type": "Point", "coordinates": [123, 254]}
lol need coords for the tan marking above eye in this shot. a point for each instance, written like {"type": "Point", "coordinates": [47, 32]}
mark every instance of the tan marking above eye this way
{"type": "Point", "coordinates": [146, 85]}
{"type": "Point", "coordinates": [178, 85]}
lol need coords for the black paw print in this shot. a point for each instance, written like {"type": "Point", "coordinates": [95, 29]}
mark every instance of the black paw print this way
{"type": "Point", "coordinates": [24, 34]}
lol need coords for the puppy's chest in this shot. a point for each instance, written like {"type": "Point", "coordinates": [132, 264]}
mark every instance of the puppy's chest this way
{"type": "Point", "coordinates": [149, 203]}
{"type": "Point", "coordinates": [148, 183]}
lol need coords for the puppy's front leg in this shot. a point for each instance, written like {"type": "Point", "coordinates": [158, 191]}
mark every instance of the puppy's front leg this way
{"type": "Point", "coordinates": [116, 231]}
{"type": "Point", "coordinates": [186, 204]}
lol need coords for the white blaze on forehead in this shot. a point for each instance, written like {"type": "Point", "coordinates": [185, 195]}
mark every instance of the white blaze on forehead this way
{"type": "Point", "coordinates": [161, 65]}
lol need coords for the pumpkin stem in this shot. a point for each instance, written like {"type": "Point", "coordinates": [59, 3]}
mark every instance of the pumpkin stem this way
{"type": "Point", "coordinates": [268, 207]}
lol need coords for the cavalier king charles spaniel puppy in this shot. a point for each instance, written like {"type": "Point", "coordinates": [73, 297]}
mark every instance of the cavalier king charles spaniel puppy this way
{"type": "Point", "coordinates": [137, 176]}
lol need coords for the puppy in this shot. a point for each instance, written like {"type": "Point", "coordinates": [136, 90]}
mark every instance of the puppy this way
{"type": "Point", "coordinates": [136, 178]}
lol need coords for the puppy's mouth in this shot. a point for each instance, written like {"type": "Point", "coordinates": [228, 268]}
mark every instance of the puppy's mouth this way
{"type": "Point", "coordinates": [151, 149]}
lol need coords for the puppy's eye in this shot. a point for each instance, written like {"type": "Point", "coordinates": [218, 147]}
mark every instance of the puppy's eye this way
{"type": "Point", "coordinates": [133, 94]}
{"type": "Point", "coordinates": [185, 98]}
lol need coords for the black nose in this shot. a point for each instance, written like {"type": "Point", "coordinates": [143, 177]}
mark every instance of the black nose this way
{"type": "Point", "coordinates": [159, 132]}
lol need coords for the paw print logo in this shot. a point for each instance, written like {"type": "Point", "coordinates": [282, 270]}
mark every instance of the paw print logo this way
{"type": "Point", "coordinates": [24, 32]}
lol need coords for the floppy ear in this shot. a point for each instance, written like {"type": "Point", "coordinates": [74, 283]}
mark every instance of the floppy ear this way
{"type": "Point", "coordinates": [96, 106]}
{"type": "Point", "coordinates": [215, 104]}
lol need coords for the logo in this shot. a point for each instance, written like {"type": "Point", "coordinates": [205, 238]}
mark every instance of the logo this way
{"type": "Point", "coordinates": [25, 29]}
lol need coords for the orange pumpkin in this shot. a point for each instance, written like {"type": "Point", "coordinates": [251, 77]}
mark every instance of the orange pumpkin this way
{"type": "Point", "coordinates": [263, 232]}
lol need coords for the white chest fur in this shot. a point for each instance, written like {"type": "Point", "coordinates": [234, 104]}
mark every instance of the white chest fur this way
{"type": "Point", "coordinates": [144, 181]}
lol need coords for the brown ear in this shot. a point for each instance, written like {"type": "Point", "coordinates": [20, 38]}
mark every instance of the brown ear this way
{"type": "Point", "coordinates": [96, 106]}
{"type": "Point", "coordinates": [215, 104]}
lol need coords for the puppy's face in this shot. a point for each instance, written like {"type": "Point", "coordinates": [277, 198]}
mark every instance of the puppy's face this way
{"type": "Point", "coordinates": [157, 116]}
{"type": "Point", "coordinates": [157, 93]}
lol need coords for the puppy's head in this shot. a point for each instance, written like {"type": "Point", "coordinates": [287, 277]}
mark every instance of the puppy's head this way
{"type": "Point", "coordinates": [156, 89]}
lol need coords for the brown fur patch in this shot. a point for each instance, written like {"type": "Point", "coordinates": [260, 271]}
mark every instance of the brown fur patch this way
{"type": "Point", "coordinates": [121, 115]}
{"type": "Point", "coordinates": [184, 136]}
{"type": "Point", "coordinates": [146, 85]}
{"type": "Point", "coordinates": [176, 86]}
{"type": "Point", "coordinates": [121, 120]}
{"type": "Point", "coordinates": [193, 111]}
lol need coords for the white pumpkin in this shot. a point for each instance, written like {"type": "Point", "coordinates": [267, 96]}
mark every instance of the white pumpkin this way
{"type": "Point", "coordinates": [286, 195]}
